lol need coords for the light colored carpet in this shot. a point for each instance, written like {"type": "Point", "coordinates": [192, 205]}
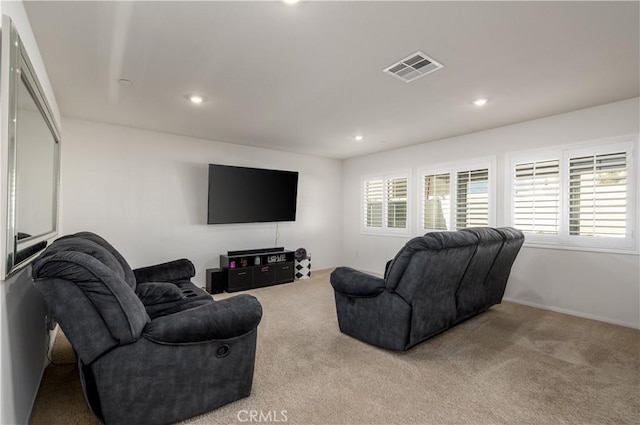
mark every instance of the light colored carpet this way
{"type": "Point", "coordinates": [513, 364]}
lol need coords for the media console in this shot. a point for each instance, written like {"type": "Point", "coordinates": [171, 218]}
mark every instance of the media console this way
{"type": "Point", "coordinates": [256, 268]}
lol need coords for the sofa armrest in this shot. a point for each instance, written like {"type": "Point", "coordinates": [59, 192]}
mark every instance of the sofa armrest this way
{"type": "Point", "coordinates": [386, 268]}
{"type": "Point", "coordinates": [173, 271]}
{"type": "Point", "coordinates": [352, 282]}
{"type": "Point", "coordinates": [223, 319]}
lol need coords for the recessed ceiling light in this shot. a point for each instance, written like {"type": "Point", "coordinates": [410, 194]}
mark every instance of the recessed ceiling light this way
{"type": "Point", "coordinates": [196, 99]}
{"type": "Point", "coordinates": [480, 102]}
{"type": "Point", "coordinates": [358, 137]}
{"type": "Point", "coordinates": [125, 82]}
{"type": "Point", "coordinates": [291, 1]}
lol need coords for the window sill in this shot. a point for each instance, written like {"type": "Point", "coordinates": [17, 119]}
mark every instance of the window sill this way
{"type": "Point", "coordinates": [538, 245]}
{"type": "Point", "coordinates": [385, 233]}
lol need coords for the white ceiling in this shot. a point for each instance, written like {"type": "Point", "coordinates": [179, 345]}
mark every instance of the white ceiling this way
{"type": "Point", "coordinates": [307, 78]}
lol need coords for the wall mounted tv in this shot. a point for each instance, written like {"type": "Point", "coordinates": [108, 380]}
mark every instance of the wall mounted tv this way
{"type": "Point", "coordinates": [251, 195]}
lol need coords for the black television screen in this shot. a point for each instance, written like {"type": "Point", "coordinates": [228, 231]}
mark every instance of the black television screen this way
{"type": "Point", "coordinates": [250, 195]}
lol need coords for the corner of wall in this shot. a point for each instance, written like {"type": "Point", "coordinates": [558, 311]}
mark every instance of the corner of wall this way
{"type": "Point", "coordinates": [23, 333]}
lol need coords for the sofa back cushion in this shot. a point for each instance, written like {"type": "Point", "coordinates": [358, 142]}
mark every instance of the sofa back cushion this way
{"type": "Point", "coordinates": [498, 276]}
{"type": "Point", "coordinates": [100, 278]}
{"type": "Point", "coordinates": [426, 273]}
{"type": "Point", "coordinates": [121, 267]}
{"type": "Point", "coordinates": [471, 296]}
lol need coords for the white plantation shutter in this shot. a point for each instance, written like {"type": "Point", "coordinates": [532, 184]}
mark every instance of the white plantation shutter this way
{"type": "Point", "coordinates": [457, 197]}
{"type": "Point", "coordinates": [436, 208]}
{"type": "Point", "coordinates": [373, 196]}
{"type": "Point", "coordinates": [598, 195]}
{"type": "Point", "coordinates": [385, 204]}
{"type": "Point", "coordinates": [397, 203]}
{"type": "Point", "coordinates": [536, 197]}
{"type": "Point", "coordinates": [577, 196]}
{"type": "Point", "coordinates": [472, 198]}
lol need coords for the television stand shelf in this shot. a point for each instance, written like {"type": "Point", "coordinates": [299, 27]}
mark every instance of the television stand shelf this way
{"type": "Point", "coordinates": [256, 268]}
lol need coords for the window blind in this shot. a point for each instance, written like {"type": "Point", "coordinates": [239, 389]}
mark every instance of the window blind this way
{"type": "Point", "coordinates": [598, 195]}
{"type": "Point", "coordinates": [536, 198]}
{"type": "Point", "coordinates": [437, 201]}
{"type": "Point", "coordinates": [397, 203]}
{"type": "Point", "coordinates": [472, 198]}
{"type": "Point", "coordinates": [373, 195]}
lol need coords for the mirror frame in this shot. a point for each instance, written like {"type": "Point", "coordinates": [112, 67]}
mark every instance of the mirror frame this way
{"type": "Point", "coordinates": [21, 69]}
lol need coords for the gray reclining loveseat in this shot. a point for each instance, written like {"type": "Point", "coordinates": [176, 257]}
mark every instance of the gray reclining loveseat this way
{"type": "Point", "coordinates": [435, 282]}
{"type": "Point", "coordinates": [152, 348]}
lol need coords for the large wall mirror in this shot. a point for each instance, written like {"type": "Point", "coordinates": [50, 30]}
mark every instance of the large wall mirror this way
{"type": "Point", "coordinates": [33, 160]}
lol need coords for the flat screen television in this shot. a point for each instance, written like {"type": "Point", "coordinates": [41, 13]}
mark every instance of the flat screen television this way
{"type": "Point", "coordinates": [251, 195]}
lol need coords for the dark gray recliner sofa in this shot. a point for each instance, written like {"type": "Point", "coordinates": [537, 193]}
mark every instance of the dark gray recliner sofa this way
{"type": "Point", "coordinates": [435, 282]}
{"type": "Point", "coordinates": [152, 348]}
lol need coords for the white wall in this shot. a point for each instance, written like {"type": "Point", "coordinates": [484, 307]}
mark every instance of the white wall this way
{"type": "Point", "coordinates": [146, 193]}
{"type": "Point", "coordinates": [596, 285]}
{"type": "Point", "coordinates": [24, 346]}
{"type": "Point", "coordinates": [22, 311]}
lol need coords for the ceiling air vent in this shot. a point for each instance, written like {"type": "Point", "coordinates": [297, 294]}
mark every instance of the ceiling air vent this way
{"type": "Point", "coordinates": [413, 67]}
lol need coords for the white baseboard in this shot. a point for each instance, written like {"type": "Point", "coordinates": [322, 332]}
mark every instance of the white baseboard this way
{"type": "Point", "coordinates": [574, 313]}
{"type": "Point", "coordinates": [376, 274]}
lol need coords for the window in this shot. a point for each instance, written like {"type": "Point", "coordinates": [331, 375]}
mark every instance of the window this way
{"type": "Point", "coordinates": [472, 199]}
{"type": "Point", "coordinates": [397, 203]}
{"type": "Point", "coordinates": [373, 203]}
{"type": "Point", "coordinates": [598, 195]}
{"type": "Point", "coordinates": [437, 202]}
{"type": "Point", "coordinates": [386, 204]}
{"type": "Point", "coordinates": [456, 197]}
{"type": "Point", "coordinates": [536, 203]}
{"type": "Point", "coordinates": [578, 197]}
